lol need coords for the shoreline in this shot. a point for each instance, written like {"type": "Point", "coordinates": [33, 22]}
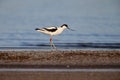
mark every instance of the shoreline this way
{"type": "Point", "coordinates": [60, 65]}
{"type": "Point", "coordinates": [60, 59]}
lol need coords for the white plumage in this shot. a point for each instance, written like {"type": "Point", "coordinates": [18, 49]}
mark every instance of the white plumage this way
{"type": "Point", "coordinates": [53, 31]}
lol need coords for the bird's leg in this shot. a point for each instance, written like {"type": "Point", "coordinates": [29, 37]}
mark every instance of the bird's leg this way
{"type": "Point", "coordinates": [51, 43]}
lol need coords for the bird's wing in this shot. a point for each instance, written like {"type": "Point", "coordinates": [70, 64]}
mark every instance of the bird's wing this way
{"type": "Point", "coordinates": [51, 29]}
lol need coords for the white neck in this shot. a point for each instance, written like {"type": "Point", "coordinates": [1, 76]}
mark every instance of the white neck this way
{"type": "Point", "coordinates": [60, 30]}
{"type": "Point", "coordinates": [63, 27]}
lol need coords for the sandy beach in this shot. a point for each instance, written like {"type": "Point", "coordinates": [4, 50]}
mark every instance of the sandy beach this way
{"type": "Point", "coordinates": [60, 58]}
{"type": "Point", "coordinates": [81, 59]}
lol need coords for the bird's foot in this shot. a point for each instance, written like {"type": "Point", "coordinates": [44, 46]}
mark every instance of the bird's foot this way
{"type": "Point", "coordinates": [53, 47]}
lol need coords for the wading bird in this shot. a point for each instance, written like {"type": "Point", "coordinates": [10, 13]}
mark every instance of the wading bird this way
{"type": "Point", "coordinates": [53, 31]}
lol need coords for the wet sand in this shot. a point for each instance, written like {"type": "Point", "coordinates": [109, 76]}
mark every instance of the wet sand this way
{"type": "Point", "coordinates": [59, 75]}
{"type": "Point", "coordinates": [81, 59]}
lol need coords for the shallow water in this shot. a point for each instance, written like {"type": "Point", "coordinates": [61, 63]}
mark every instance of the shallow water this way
{"type": "Point", "coordinates": [64, 41]}
{"type": "Point", "coordinates": [95, 27]}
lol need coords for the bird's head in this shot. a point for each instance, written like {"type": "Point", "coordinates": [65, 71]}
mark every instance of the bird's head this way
{"type": "Point", "coordinates": [65, 26]}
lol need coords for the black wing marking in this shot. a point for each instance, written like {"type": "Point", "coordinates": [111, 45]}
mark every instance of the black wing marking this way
{"type": "Point", "coordinates": [38, 29]}
{"type": "Point", "coordinates": [51, 30]}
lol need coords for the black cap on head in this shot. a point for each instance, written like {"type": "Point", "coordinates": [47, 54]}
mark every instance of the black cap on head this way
{"type": "Point", "coordinates": [65, 25]}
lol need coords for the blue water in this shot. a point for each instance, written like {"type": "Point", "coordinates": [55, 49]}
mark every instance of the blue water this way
{"type": "Point", "coordinates": [96, 24]}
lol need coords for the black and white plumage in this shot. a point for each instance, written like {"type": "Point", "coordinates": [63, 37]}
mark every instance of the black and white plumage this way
{"type": "Point", "coordinates": [53, 31]}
